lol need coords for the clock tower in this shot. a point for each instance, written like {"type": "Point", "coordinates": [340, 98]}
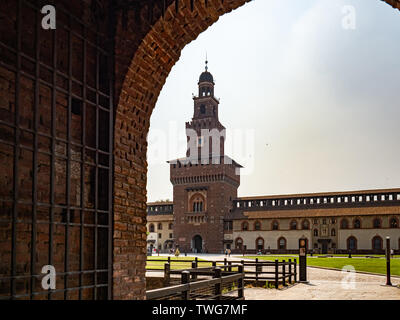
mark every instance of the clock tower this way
{"type": "Point", "coordinates": [205, 181]}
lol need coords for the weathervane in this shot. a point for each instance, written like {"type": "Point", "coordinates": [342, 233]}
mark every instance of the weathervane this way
{"type": "Point", "coordinates": [206, 62]}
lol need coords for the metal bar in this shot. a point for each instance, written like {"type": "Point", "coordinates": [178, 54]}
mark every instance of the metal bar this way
{"type": "Point", "coordinates": [96, 184]}
{"type": "Point", "coordinates": [16, 154]}
{"type": "Point", "coordinates": [111, 157]}
{"type": "Point", "coordinates": [83, 152]}
{"type": "Point", "coordinates": [35, 155]}
{"type": "Point", "coordinates": [68, 171]}
{"type": "Point", "coordinates": [53, 152]}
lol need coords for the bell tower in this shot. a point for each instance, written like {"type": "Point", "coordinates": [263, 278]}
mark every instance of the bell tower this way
{"type": "Point", "coordinates": [205, 181]}
{"type": "Point", "coordinates": [205, 125]}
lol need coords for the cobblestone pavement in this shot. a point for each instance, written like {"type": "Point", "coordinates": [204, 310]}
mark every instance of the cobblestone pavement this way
{"type": "Point", "coordinates": [326, 285]}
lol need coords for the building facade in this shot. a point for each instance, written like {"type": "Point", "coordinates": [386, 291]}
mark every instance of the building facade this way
{"type": "Point", "coordinates": [356, 221]}
{"type": "Point", "coordinates": [207, 215]}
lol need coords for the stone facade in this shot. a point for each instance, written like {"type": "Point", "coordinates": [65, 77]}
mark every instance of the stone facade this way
{"type": "Point", "coordinates": [358, 221]}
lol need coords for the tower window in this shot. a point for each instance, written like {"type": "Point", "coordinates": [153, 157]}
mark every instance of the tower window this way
{"type": "Point", "coordinates": [202, 109]}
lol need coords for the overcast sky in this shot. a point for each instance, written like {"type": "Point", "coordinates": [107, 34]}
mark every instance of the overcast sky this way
{"type": "Point", "coordinates": [309, 105]}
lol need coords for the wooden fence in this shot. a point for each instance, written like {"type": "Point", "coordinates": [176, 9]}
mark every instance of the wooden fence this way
{"type": "Point", "coordinates": [222, 286]}
{"type": "Point", "coordinates": [284, 272]}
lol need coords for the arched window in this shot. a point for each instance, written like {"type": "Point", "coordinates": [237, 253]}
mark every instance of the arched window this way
{"type": "Point", "coordinates": [293, 225]}
{"type": "Point", "coordinates": [377, 223]}
{"type": "Point", "coordinates": [344, 224]}
{"type": "Point", "coordinates": [245, 226]}
{"type": "Point", "coordinates": [170, 226]}
{"type": "Point", "coordinates": [351, 243]}
{"type": "Point", "coordinates": [275, 225]}
{"type": "Point", "coordinates": [333, 232]}
{"type": "Point", "coordinates": [151, 228]}
{"type": "Point", "coordinates": [197, 203]}
{"type": "Point", "coordinates": [305, 225]}
{"type": "Point", "coordinates": [394, 223]}
{"type": "Point", "coordinates": [260, 243]}
{"type": "Point", "coordinates": [202, 109]}
{"type": "Point", "coordinates": [377, 243]}
{"type": "Point", "coordinates": [315, 232]}
{"type": "Point", "coordinates": [282, 243]}
{"type": "Point", "coordinates": [159, 227]}
{"type": "Point", "coordinates": [239, 243]}
{"type": "Point", "coordinates": [257, 226]}
{"type": "Point", "coordinates": [357, 224]}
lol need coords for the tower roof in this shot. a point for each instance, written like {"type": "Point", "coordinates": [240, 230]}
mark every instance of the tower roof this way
{"type": "Point", "coordinates": [206, 76]}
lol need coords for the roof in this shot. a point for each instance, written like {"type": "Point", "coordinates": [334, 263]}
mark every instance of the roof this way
{"type": "Point", "coordinates": [328, 212]}
{"type": "Point", "coordinates": [160, 203]}
{"type": "Point", "coordinates": [321, 194]}
{"type": "Point", "coordinates": [206, 77]}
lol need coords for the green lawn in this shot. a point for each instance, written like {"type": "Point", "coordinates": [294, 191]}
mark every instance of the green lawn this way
{"type": "Point", "coordinates": [176, 264]}
{"type": "Point", "coordinates": [360, 264]}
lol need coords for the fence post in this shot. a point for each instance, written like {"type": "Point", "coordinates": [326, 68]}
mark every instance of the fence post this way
{"type": "Point", "coordinates": [256, 271]}
{"type": "Point", "coordinates": [197, 261]}
{"type": "Point", "coordinates": [276, 274]}
{"type": "Point", "coordinates": [225, 263]}
{"type": "Point", "coordinates": [241, 282]}
{"type": "Point", "coordinates": [185, 279]}
{"type": "Point", "coordinates": [194, 266]}
{"type": "Point", "coordinates": [230, 266]}
{"type": "Point", "coordinates": [169, 260]}
{"type": "Point", "coordinates": [284, 273]}
{"type": "Point", "coordinates": [290, 271]}
{"type": "Point", "coordinates": [217, 289]}
{"type": "Point", "coordinates": [295, 270]}
{"type": "Point", "coordinates": [167, 274]}
{"type": "Point", "coordinates": [214, 264]}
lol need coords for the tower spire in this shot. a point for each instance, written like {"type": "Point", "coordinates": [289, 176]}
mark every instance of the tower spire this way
{"type": "Point", "coordinates": [206, 62]}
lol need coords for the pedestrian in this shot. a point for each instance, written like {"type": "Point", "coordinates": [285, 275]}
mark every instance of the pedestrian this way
{"type": "Point", "coordinates": [229, 252]}
{"type": "Point", "coordinates": [226, 252]}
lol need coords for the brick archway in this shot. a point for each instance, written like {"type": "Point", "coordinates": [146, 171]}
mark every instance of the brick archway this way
{"type": "Point", "coordinates": [139, 80]}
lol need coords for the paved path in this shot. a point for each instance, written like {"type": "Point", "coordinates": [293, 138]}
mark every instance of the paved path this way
{"type": "Point", "coordinates": [331, 285]}
{"type": "Point", "coordinates": [325, 285]}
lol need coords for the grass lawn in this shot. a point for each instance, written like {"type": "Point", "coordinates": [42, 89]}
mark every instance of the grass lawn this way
{"type": "Point", "coordinates": [359, 264]}
{"type": "Point", "coordinates": [176, 263]}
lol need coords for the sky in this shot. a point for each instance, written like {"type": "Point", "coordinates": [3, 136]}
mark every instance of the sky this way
{"type": "Point", "coordinates": [309, 96]}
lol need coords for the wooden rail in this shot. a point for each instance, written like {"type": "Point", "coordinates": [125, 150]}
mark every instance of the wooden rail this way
{"type": "Point", "coordinates": [284, 272]}
{"type": "Point", "coordinates": [221, 287]}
